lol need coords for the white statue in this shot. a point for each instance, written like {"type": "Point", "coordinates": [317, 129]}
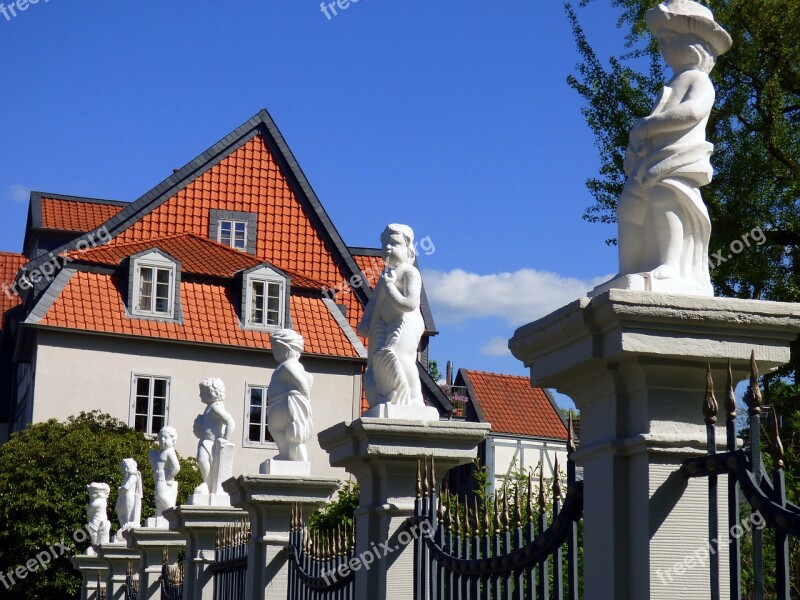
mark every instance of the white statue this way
{"type": "Point", "coordinates": [289, 398]}
{"type": "Point", "coordinates": [214, 452]}
{"type": "Point", "coordinates": [664, 227]}
{"type": "Point", "coordinates": [165, 467]}
{"type": "Point", "coordinates": [99, 526]}
{"type": "Point", "coordinates": [394, 325]}
{"type": "Point", "coordinates": [129, 497]}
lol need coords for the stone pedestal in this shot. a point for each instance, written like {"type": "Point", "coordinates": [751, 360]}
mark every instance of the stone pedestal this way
{"type": "Point", "coordinates": [634, 363]}
{"type": "Point", "coordinates": [285, 468]}
{"type": "Point", "coordinates": [268, 499]}
{"type": "Point", "coordinates": [221, 470]}
{"type": "Point", "coordinates": [117, 557]}
{"type": "Point", "coordinates": [93, 570]}
{"type": "Point", "coordinates": [199, 526]}
{"type": "Point", "coordinates": [152, 544]}
{"type": "Point", "coordinates": [383, 455]}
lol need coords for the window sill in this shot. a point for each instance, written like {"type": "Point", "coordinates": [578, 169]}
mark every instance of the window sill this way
{"type": "Point", "coordinates": [260, 446]}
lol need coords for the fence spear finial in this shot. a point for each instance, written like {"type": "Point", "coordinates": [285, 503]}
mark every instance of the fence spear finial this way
{"type": "Point", "coordinates": [753, 394]}
{"type": "Point", "coordinates": [419, 479]}
{"type": "Point", "coordinates": [506, 516]}
{"type": "Point", "coordinates": [570, 434]}
{"type": "Point", "coordinates": [517, 507]}
{"type": "Point", "coordinates": [710, 406]}
{"type": "Point", "coordinates": [556, 482]}
{"type": "Point", "coordinates": [476, 524]}
{"type": "Point", "coordinates": [426, 480]}
{"type": "Point", "coordinates": [542, 499]}
{"type": "Point", "coordinates": [530, 496]}
{"type": "Point", "coordinates": [486, 523]}
{"type": "Point", "coordinates": [730, 396]}
{"type": "Point", "coordinates": [776, 445]}
{"type": "Point", "coordinates": [457, 520]}
{"type": "Point", "coordinates": [497, 524]}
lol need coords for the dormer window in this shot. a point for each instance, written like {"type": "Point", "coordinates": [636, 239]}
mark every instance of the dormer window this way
{"type": "Point", "coordinates": [154, 285]}
{"type": "Point", "coordinates": [233, 233]}
{"type": "Point", "coordinates": [264, 298]}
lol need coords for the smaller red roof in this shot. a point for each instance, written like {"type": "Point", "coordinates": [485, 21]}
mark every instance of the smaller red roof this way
{"type": "Point", "coordinates": [10, 264]}
{"type": "Point", "coordinates": [372, 267]}
{"type": "Point", "coordinates": [76, 215]}
{"type": "Point", "coordinates": [511, 405]}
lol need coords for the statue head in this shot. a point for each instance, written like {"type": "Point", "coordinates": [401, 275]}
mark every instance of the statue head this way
{"type": "Point", "coordinates": [397, 242]}
{"type": "Point", "coordinates": [167, 437]}
{"type": "Point", "coordinates": [212, 390]}
{"type": "Point", "coordinates": [691, 25]}
{"type": "Point", "coordinates": [129, 466]}
{"type": "Point", "coordinates": [286, 344]}
{"type": "Point", "coordinates": [98, 490]}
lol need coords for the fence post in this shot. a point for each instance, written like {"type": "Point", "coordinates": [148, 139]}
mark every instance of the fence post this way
{"type": "Point", "coordinates": [94, 570]}
{"type": "Point", "coordinates": [117, 557]}
{"type": "Point", "coordinates": [268, 499]}
{"type": "Point", "coordinates": [152, 544]}
{"type": "Point", "coordinates": [383, 455]}
{"type": "Point", "coordinates": [634, 363]}
{"type": "Point", "coordinates": [199, 525]}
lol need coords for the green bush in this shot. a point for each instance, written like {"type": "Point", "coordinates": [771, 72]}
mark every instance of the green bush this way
{"type": "Point", "coordinates": [44, 471]}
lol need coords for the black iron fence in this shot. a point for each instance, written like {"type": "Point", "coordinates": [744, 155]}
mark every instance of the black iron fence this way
{"type": "Point", "coordinates": [171, 579]}
{"type": "Point", "coordinates": [131, 584]}
{"type": "Point", "coordinates": [750, 487]}
{"type": "Point", "coordinates": [230, 563]}
{"type": "Point", "coordinates": [101, 589]}
{"type": "Point", "coordinates": [515, 547]}
{"type": "Point", "coordinates": [318, 562]}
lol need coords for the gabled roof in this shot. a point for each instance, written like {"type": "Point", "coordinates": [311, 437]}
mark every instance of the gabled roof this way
{"type": "Point", "coordinates": [512, 406]}
{"type": "Point", "coordinates": [10, 263]}
{"type": "Point", "coordinates": [71, 213]}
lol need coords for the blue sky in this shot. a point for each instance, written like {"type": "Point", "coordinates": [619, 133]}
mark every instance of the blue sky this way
{"type": "Point", "coordinates": [451, 116]}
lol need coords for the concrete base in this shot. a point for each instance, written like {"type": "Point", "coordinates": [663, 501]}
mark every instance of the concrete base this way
{"type": "Point", "coordinates": [634, 363]}
{"type": "Point", "coordinates": [645, 282]}
{"type": "Point", "coordinates": [209, 500]}
{"type": "Point", "coordinates": [94, 571]}
{"type": "Point", "coordinates": [383, 455]}
{"type": "Point", "coordinates": [153, 544]}
{"type": "Point", "coordinates": [199, 525]}
{"type": "Point", "coordinates": [268, 499]}
{"type": "Point", "coordinates": [156, 523]}
{"type": "Point", "coordinates": [285, 467]}
{"type": "Point", "coordinates": [402, 412]}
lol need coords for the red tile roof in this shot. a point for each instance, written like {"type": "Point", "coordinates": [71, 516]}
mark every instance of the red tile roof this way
{"type": "Point", "coordinates": [10, 264]}
{"type": "Point", "coordinates": [371, 266]}
{"type": "Point", "coordinates": [91, 302]}
{"type": "Point", "coordinates": [75, 215]}
{"type": "Point", "coordinates": [512, 406]}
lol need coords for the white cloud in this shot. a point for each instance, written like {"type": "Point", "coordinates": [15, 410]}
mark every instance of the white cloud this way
{"type": "Point", "coordinates": [496, 346]}
{"type": "Point", "coordinates": [18, 193]}
{"type": "Point", "coordinates": [519, 297]}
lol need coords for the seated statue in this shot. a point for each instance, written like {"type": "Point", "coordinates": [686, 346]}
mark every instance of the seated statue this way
{"type": "Point", "coordinates": [99, 527]}
{"type": "Point", "coordinates": [129, 498]}
{"type": "Point", "coordinates": [213, 428]}
{"type": "Point", "coordinates": [289, 398]}
{"type": "Point", "coordinates": [664, 227]}
{"type": "Point", "coordinates": [394, 325]}
{"type": "Point", "coordinates": [165, 468]}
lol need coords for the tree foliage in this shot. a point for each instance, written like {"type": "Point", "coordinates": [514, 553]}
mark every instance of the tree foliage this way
{"type": "Point", "coordinates": [44, 471]}
{"type": "Point", "coordinates": [339, 512]}
{"type": "Point", "coordinates": [755, 128]}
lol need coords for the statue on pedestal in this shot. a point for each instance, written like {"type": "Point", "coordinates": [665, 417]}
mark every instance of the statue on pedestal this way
{"type": "Point", "coordinates": [664, 227]}
{"type": "Point", "coordinates": [129, 498]}
{"type": "Point", "coordinates": [99, 526]}
{"type": "Point", "coordinates": [214, 452]}
{"type": "Point", "coordinates": [165, 468]}
{"type": "Point", "coordinates": [394, 325]}
{"type": "Point", "coordinates": [289, 402]}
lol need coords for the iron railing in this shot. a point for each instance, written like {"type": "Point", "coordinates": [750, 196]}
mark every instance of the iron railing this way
{"type": "Point", "coordinates": [317, 560]}
{"type": "Point", "coordinates": [171, 579]}
{"type": "Point", "coordinates": [747, 479]}
{"type": "Point", "coordinates": [131, 584]}
{"type": "Point", "coordinates": [510, 548]}
{"type": "Point", "coordinates": [230, 563]}
{"type": "Point", "coordinates": [101, 589]}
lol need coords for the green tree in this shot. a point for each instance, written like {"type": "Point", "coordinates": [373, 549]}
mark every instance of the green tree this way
{"type": "Point", "coordinates": [755, 128]}
{"type": "Point", "coordinates": [433, 370]}
{"type": "Point", "coordinates": [44, 471]}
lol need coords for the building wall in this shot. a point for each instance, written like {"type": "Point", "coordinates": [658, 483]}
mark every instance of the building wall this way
{"type": "Point", "coordinates": [508, 454]}
{"type": "Point", "coordinates": [81, 372]}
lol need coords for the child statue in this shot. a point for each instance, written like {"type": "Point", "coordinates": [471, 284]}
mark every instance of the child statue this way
{"type": "Point", "coordinates": [394, 325]}
{"type": "Point", "coordinates": [129, 498]}
{"type": "Point", "coordinates": [99, 526]}
{"type": "Point", "coordinates": [165, 468]}
{"type": "Point", "coordinates": [214, 452]}
{"type": "Point", "coordinates": [289, 398]}
{"type": "Point", "coordinates": [664, 227]}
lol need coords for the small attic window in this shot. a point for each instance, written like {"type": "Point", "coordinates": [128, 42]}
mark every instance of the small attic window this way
{"type": "Point", "coordinates": [154, 281]}
{"type": "Point", "coordinates": [233, 233]}
{"type": "Point", "coordinates": [264, 299]}
{"type": "Point", "coordinates": [233, 228]}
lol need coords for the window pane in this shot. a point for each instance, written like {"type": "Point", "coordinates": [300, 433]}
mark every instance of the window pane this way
{"type": "Point", "coordinates": [160, 388]}
{"type": "Point", "coordinates": [142, 386]}
{"type": "Point", "coordinates": [225, 233]}
{"type": "Point", "coordinates": [140, 423]}
{"type": "Point", "coordinates": [158, 424]}
{"type": "Point", "coordinates": [257, 308]}
{"type": "Point", "coordinates": [145, 288]}
{"type": "Point", "coordinates": [159, 407]}
{"type": "Point", "coordinates": [151, 404]}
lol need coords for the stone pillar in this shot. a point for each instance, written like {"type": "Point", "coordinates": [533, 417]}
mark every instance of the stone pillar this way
{"type": "Point", "coordinates": [383, 455]}
{"type": "Point", "coordinates": [199, 525]}
{"type": "Point", "coordinates": [94, 570]}
{"type": "Point", "coordinates": [117, 558]}
{"type": "Point", "coordinates": [268, 499]}
{"type": "Point", "coordinates": [152, 545]}
{"type": "Point", "coordinates": [634, 363]}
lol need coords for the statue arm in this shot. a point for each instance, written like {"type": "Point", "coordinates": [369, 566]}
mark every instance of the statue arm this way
{"type": "Point", "coordinates": [172, 461]}
{"type": "Point", "coordinates": [409, 301]}
{"type": "Point", "coordinates": [297, 373]}
{"type": "Point", "coordinates": [695, 106]}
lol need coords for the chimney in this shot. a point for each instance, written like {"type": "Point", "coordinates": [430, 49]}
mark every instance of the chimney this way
{"type": "Point", "coordinates": [449, 376]}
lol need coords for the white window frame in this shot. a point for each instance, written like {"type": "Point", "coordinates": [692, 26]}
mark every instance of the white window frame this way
{"type": "Point", "coordinates": [155, 262]}
{"type": "Point", "coordinates": [265, 276]}
{"type": "Point", "coordinates": [132, 410]}
{"type": "Point", "coordinates": [233, 223]}
{"type": "Point", "coordinates": [246, 441]}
